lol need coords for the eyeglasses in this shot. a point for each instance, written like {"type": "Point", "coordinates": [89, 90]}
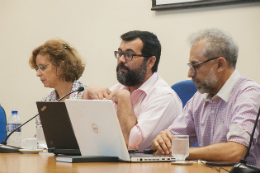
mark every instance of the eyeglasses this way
{"type": "Point", "coordinates": [41, 67]}
{"type": "Point", "coordinates": [128, 55]}
{"type": "Point", "coordinates": [194, 66]}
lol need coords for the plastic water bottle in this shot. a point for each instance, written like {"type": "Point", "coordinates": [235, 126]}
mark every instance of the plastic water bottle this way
{"type": "Point", "coordinates": [13, 122]}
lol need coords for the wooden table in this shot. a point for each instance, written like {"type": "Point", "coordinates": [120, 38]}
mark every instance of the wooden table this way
{"type": "Point", "coordinates": [46, 162]}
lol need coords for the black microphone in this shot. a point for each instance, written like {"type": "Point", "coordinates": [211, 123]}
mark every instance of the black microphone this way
{"type": "Point", "coordinates": [16, 149]}
{"type": "Point", "coordinates": [242, 167]}
{"type": "Point", "coordinates": [78, 90]}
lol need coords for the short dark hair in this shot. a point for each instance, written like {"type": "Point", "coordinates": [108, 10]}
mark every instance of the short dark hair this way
{"type": "Point", "coordinates": [151, 44]}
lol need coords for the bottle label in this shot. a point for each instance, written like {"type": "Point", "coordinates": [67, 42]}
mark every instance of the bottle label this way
{"type": "Point", "coordinates": [11, 127]}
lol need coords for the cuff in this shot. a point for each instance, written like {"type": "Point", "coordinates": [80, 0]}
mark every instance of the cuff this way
{"type": "Point", "coordinates": [135, 138]}
{"type": "Point", "coordinates": [238, 135]}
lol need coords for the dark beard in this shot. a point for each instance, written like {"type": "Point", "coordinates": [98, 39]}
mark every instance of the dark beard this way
{"type": "Point", "coordinates": [131, 77]}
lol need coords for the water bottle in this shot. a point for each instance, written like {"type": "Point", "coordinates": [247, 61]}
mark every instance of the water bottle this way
{"type": "Point", "coordinates": [13, 122]}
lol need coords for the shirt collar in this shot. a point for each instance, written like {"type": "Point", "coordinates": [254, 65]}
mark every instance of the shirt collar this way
{"type": "Point", "coordinates": [75, 85]}
{"type": "Point", "coordinates": [146, 87]}
{"type": "Point", "coordinates": [225, 92]}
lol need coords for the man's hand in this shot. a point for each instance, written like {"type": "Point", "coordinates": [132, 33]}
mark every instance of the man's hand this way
{"type": "Point", "coordinates": [96, 92]}
{"type": "Point", "coordinates": [163, 143]}
{"type": "Point", "coordinates": [118, 94]}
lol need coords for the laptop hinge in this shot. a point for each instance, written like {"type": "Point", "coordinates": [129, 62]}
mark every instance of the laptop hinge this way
{"type": "Point", "coordinates": [51, 150]}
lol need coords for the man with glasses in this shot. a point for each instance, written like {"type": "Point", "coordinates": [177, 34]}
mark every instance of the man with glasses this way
{"type": "Point", "coordinates": [221, 115]}
{"type": "Point", "coordinates": [145, 103]}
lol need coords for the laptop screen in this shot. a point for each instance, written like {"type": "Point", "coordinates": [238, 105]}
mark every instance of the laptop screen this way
{"type": "Point", "coordinates": [56, 125]}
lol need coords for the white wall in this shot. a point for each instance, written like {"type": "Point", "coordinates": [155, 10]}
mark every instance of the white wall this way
{"type": "Point", "coordinates": [94, 27]}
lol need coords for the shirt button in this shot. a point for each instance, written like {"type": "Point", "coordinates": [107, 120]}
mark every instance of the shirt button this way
{"type": "Point", "coordinates": [212, 111]}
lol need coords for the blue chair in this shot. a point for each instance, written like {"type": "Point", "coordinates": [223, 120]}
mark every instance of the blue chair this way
{"type": "Point", "coordinates": [185, 90]}
{"type": "Point", "coordinates": [3, 132]}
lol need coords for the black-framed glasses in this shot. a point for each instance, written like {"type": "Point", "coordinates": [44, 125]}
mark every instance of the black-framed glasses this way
{"type": "Point", "coordinates": [194, 66]}
{"type": "Point", "coordinates": [128, 55]}
{"type": "Point", "coordinates": [41, 67]}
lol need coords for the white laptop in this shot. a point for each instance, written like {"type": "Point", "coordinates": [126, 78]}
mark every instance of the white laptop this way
{"type": "Point", "coordinates": [98, 131]}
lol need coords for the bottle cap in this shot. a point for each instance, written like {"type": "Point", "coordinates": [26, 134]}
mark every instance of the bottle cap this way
{"type": "Point", "coordinates": [14, 112]}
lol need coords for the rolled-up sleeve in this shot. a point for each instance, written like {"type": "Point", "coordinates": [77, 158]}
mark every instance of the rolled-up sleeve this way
{"type": "Point", "coordinates": [245, 112]}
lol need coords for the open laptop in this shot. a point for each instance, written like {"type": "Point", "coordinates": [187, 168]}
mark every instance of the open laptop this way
{"type": "Point", "coordinates": [57, 128]}
{"type": "Point", "coordinates": [98, 131]}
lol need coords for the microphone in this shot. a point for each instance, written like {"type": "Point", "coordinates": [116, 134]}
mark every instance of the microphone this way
{"type": "Point", "coordinates": [16, 149]}
{"type": "Point", "coordinates": [78, 90]}
{"type": "Point", "coordinates": [242, 167]}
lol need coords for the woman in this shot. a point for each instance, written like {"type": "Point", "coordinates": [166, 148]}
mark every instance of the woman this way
{"type": "Point", "coordinates": [58, 66]}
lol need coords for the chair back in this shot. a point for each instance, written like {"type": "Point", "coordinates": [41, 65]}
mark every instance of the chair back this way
{"type": "Point", "coordinates": [3, 133]}
{"type": "Point", "coordinates": [185, 90]}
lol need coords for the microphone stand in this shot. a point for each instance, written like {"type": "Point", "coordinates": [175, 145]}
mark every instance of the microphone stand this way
{"type": "Point", "coordinates": [16, 149]}
{"type": "Point", "coordinates": [242, 167]}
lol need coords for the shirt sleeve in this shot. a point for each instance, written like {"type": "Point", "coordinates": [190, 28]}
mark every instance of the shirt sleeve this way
{"type": "Point", "coordinates": [184, 124]}
{"type": "Point", "coordinates": [157, 114]}
{"type": "Point", "coordinates": [245, 112]}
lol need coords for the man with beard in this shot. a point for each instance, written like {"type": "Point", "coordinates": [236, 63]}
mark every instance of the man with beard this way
{"type": "Point", "coordinates": [221, 115]}
{"type": "Point", "coordinates": [145, 103]}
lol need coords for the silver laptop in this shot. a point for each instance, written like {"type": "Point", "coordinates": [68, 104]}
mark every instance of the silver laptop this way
{"type": "Point", "coordinates": [98, 131]}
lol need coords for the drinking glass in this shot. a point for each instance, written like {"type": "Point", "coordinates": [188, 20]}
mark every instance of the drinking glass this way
{"type": "Point", "coordinates": [40, 137]}
{"type": "Point", "coordinates": [180, 147]}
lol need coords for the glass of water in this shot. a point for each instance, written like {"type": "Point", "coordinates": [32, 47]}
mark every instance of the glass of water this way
{"type": "Point", "coordinates": [40, 137]}
{"type": "Point", "coordinates": [180, 147]}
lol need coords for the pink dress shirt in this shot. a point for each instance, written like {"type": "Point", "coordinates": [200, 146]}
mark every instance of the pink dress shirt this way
{"type": "Point", "coordinates": [155, 106]}
{"type": "Point", "coordinates": [228, 116]}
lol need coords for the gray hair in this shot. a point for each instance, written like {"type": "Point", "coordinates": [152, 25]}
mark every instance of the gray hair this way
{"type": "Point", "coordinates": [218, 44]}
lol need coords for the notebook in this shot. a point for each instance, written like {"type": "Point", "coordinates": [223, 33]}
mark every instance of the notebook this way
{"type": "Point", "coordinates": [57, 128]}
{"type": "Point", "coordinates": [98, 132]}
